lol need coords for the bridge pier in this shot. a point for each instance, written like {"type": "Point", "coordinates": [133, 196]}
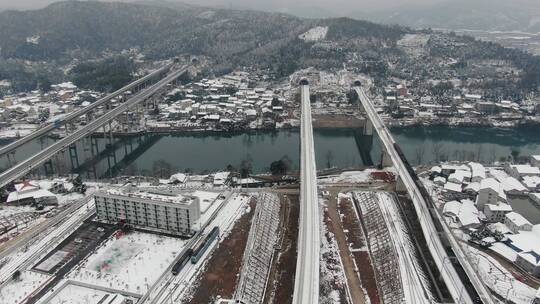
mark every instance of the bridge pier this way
{"type": "Point", "coordinates": [400, 185]}
{"type": "Point", "coordinates": [48, 167]}
{"type": "Point", "coordinates": [386, 160]}
{"type": "Point", "coordinates": [368, 127]}
{"type": "Point", "coordinates": [73, 156]}
{"type": "Point", "coordinates": [11, 159]}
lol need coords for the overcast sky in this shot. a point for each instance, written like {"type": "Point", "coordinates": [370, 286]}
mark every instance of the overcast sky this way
{"type": "Point", "coordinates": [325, 7]}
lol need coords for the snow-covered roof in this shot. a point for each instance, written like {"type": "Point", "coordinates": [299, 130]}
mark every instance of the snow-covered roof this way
{"type": "Point", "coordinates": [526, 169]}
{"type": "Point", "coordinates": [39, 193]}
{"type": "Point", "coordinates": [517, 219]}
{"type": "Point", "coordinates": [499, 207]}
{"type": "Point", "coordinates": [490, 183]}
{"type": "Point", "coordinates": [439, 180]}
{"type": "Point", "coordinates": [465, 211]}
{"type": "Point", "coordinates": [178, 177]}
{"type": "Point", "coordinates": [510, 183]}
{"type": "Point", "coordinates": [498, 174]}
{"type": "Point", "coordinates": [436, 169]}
{"type": "Point", "coordinates": [531, 257]}
{"type": "Point", "coordinates": [26, 186]}
{"type": "Point", "coordinates": [452, 187]}
{"type": "Point", "coordinates": [478, 170]}
{"type": "Point", "coordinates": [459, 176]}
{"type": "Point", "coordinates": [531, 181]}
{"type": "Point", "coordinates": [473, 187]}
{"type": "Point", "coordinates": [525, 241]}
{"type": "Point", "coordinates": [452, 208]}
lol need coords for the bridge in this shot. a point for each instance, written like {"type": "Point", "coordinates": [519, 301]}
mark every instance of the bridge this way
{"type": "Point", "coordinates": [428, 217]}
{"type": "Point", "coordinates": [306, 283]}
{"type": "Point", "coordinates": [22, 168]}
{"type": "Point", "coordinates": [43, 130]}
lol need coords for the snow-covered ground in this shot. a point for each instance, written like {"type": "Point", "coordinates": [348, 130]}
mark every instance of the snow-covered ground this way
{"type": "Point", "coordinates": [498, 279]}
{"type": "Point", "coordinates": [73, 294]}
{"type": "Point", "coordinates": [348, 177]}
{"type": "Point", "coordinates": [315, 34]}
{"type": "Point", "coordinates": [332, 276]}
{"type": "Point", "coordinates": [17, 131]}
{"type": "Point", "coordinates": [131, 263]}
{"type": "Point", "coordinates": [15, 291]}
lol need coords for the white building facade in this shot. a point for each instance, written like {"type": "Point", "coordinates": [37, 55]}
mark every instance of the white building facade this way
{"type": "Point", "coordinates": [162, 213]}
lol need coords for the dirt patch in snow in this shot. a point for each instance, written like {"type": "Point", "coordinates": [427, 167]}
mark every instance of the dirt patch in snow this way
{"type": "Point", "coordinates": [281, 280]}
{"type": "Point", "coordinates": [355, 237]}
{"type": "Point", "coordinates": [221, 274]}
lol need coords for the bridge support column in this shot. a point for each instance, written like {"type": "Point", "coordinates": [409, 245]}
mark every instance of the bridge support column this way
{"type": "Point", "coordinates": [368, 127]}
{"type": "Point", "coordinates": [400, 185]}
{"type": "Point", "coordinates": [111, 153]}
{"type": "Point", "coordinates": [11, 158]}
{"type": "Point", "coordinates": [94, 148]}
{"type": "Point", "coordinates": [386, 161]}
{"type": "Point", "coordinates": [73, 156]}
{"type": "Point", "coordinates": [48, 166]}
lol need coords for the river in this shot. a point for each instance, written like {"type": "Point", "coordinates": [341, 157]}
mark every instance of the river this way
{"type": "Point", "coordinates": [342, 148]}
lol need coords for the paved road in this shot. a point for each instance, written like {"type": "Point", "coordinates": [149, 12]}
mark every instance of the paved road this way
{"type": "Point", "coordinates": [306, 285]}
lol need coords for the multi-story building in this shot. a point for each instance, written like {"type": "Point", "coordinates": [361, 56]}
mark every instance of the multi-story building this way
{"type": "Point", "coordinates": [496, 213]}
{"type": "Point", "coordinates": [173, 214]}
{"type": "Point", "coordinates": [516, 222]}
{"type": "Point", "coordinates": [490, 192]}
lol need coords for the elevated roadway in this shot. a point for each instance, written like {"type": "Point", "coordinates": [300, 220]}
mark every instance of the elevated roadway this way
{"type": "Point", "coordinates": [449, 274]}
{"type": "Point", "coordinates": [27, 165]}
{"type": "Point", "coordinates": [74, 115]}
{"type": "Point", "coordinates": [306, 283]}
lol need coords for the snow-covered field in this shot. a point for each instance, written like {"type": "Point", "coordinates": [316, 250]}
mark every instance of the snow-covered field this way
{"type": "Point", "coordinates": [315, 34]}
{"type": "Point", "coordinates": [332, 275]}
{"type": "Point", "coordinates": [131, 263]}
{"type": "Point", "coordinates": [16, 291]}
{"type": "Point", "coordinates": [74, 294]}
{"type": "Point", "coordinates": [348, 177]}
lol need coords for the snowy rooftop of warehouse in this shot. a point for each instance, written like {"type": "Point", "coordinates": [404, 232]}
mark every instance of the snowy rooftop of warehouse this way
{"type": "Point", "coordinates": [38, 193]}
{"type": "Point", "coordinates": [132, 263]}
